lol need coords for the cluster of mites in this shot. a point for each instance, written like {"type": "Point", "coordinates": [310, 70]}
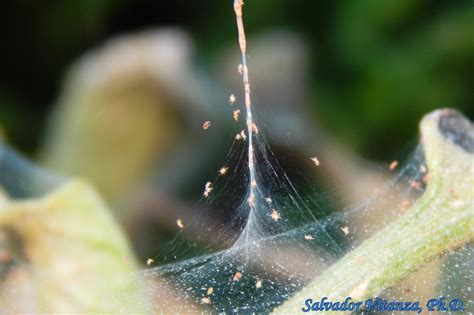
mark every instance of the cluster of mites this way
{"type": "Point", "coordinates": [275, 215]}
{"type": "Point", "coordinates": [236, 277]}
{"type": "Point", "coordinates": [236, 115]}
{"type": "Point", "coordinates": [415, 184]}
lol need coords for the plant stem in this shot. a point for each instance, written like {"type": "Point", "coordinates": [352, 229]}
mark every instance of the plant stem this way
{"type": "Point", "coordinates": [442, 220]}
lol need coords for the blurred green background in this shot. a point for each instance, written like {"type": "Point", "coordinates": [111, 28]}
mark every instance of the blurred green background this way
{"type": "Point", "coordinates": [375, 66]}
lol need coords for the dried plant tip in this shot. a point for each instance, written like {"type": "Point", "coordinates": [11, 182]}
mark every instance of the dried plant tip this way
{"type": "Point", "coordinates": [210, 290]}
{"type": "Point", "coordinates": [232, 99]}
{"type": "Point", "coordinates": [315, 161]}
{"type": "Point", "coordinates": [258, 284]}
{"type": "Point", "coordinates": [180, 223]}
{"type": "Point", "coordinates": [237, 276]}
{"type": "Point", "coordinates": [254, 128]}
{"type": "Point", "coordinates": [236, 114]}
{"type": "Point", "coordinates": [275, 215]}
{"type": "Point", "coordinates": [207, 189]}
{"type": "Point", "coordinates": [206, 125]}
{"type": "Point", "coordinates": [345, 230]}
{"type": "Point", "coordinates": [206, 300]}
{"type": "Point", "coordinates": [240, 69]}
{"type": "Point", "coordinates": [393, 165]}
{"type": "Point", "coordinates": [308, 237]}
{"type": "Point", "coordinates": [223, 170]}
{"type": "Point", "coordinates": [415, 184]}
{"type": "Point", "coordinates": [149, 261]}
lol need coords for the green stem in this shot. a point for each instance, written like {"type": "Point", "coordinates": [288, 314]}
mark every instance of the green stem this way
{"type": "Point", "coordinates": [442, 220]}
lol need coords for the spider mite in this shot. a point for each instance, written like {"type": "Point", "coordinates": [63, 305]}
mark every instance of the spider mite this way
{"type": "Point", "coordinates": [241, 136]}
{"type": "Point", "coordinates": [345, 230]}
{"type": "Point", "coordinates": [223, 170]}
{"type": "Point", "coordinates": [423, 168]}
{"type": "Point", "coordinates": [237, 276]}
{"type": "Point", "coordinates": [232, 99]}
{"type": "Point", "coordinates": [251, 200]}
{"type": "Point", "coordinates": [393, 165]}
{"type": "Point", "coordinates": [240, 69]}
{"type": "Point", "coordinates": [405, 204]}
{"type": "Point", "coordinates": [206, 300]}
{"type": "Point", "coordinates": [180, 223]}
{"type": "Point", "coordinates": [275, 215]}
{"type": "Point", "coordinates": [415, 184]}
{"type": "Point", "coordinates": [315, 161]}
{"type": "Point", "coordinates": [207, 189]}
{"type": "Point", "coordinates": [236, 114]}
{"type": "Point", "coordinates": [206, 125]}
{"type": "Point", "coordinates": [254, 128]}
{"type": "Point", "coordinates": [425, 178]}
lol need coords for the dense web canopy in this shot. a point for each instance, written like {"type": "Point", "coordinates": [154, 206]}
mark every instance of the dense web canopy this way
{"type": "Point", "coordinates": [271, 244]}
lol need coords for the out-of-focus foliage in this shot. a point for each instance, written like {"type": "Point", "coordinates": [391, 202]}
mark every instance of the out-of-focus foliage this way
{"type": "Point", "coordinates": [65, 253]}
{"type": "Point", "coordinates": [130, 110]}
{"type": "Point", "coordinates": [384, 62]}
{"type": "Point", "coordinates": [113, 119]}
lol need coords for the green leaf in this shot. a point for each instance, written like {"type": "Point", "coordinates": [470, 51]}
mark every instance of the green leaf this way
{"type": "Point", "coordinates": [65, 253]}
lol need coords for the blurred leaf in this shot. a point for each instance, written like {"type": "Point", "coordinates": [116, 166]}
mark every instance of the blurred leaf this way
{"type": "Point", "coordinates": [65, 253]}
